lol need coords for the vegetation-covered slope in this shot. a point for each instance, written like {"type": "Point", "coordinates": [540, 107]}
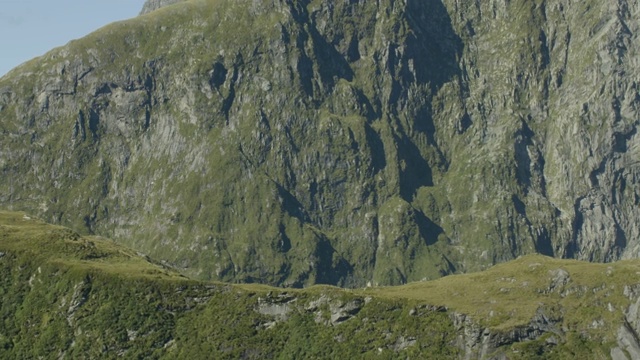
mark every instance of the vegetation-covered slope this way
{"type": "Point", "coordinates": [68, 296]}
{"type": "Point", "coordinates": [297, 142]}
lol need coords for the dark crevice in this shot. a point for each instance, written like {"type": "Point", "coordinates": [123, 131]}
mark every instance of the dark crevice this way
{"type": "Point", "coordinates": [619, 244]}
{"type": "Point", "coordinates": [218, 75]}
{"type": "Point", "coordinates": [429, 231]}
{"type": "Point", "coordinates": [376, 145]}
{"type": "Point", "coordinates": [331, 64]}
{"type": "Point", "coordinates": [434, 44]}
{"type": "Point", "coordinates": [544, 51]}
{"type": "Point", "coordinates": [523, 160]}
{"type": "Point", "coordinates": [543, 243]}
{"type": "Point", "coordinates": [105, 89]}
{"type": "Point", "coordinates": [228, 101]}
{"type": "Point", "coordinates": [465, 123]}
{"type": "Point", "coordinates": [620, 140]}
{"type": "Point", "coordinates": [94, 123]}
{"type": "Point", "coordinates": [520, 207]}
{"type": "Point", "coordinates": [415, 171]}
{"type": "Point", "coordinates": [353, 52]}
{"type": "Point", "coordinates": [333, 269]}
{"type": "Point", "coordinates": [284, 243]}
{"type": "Point", "coordinates": [571, 249]}
{"type": "Point", "coordinates": [292, 205]}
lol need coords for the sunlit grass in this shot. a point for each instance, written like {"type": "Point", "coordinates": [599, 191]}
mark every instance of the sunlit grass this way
{"type": "Point", "coordinates": [588, 298]}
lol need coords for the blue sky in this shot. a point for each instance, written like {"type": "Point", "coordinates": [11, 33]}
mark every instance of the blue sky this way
{"type": "Point", "coordinates": [30, 28]}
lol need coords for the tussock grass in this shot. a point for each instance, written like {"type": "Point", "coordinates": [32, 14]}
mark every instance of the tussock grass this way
{"type": "Point", "coordinates": [30, 236]}
{"type": "Point", "coordinates": [586, 300]}
{"type": "Point", "coordinates": [509, 294]}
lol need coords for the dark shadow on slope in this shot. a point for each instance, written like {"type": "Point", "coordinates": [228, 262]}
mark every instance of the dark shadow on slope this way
{"type": "Point", "coordinates": [378, 159]}
{"type": "Point", "coordinates": [620, 140]}
{"type": "Point", "coordinates": [433, 44]}
{"type": "Point", "coordinates": [333, 269]}
{"type": "Point", "coordinates": [292, 205]}
{"type": "Point", "coordinates": [619, 244]}
{"type": "Point", "coordinates": [571, 249]}
{"type": "Point", "coordinates": [465, 123]}
{"type": "Point", "coordinates": [521, 152]}
{"type": "Point", "coordinates": [435, 40]}
{"type": "Point", "coordinates": [218, 75]}
{"type": "Point", "coordinates": [520, 207]}
{"type": "Point", "coordinates": [430, 60]}
{"type": "Point", "coordinates": [284, 243]}
{"type": "Point", "coordinates": [331, 65]}
{"type": "Point", "coordinates": [415, 171]}
{"type": "Point", "coordinates": [543, 243]}
{"type": "Point", "coordinates": [227, 103]}
{"type": "Point", "coordinates": [304, 67]}
{"type": "Point", "coordinates": [368, 109]}
{"type": "Point", "coordinates": [94, 123]}
{"type": "Point", "coordinates": [429, 230]}
{"type": "Point", "coordinates": [450, 267]}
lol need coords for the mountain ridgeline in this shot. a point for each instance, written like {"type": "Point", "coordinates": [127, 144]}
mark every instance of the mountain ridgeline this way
{"type": "Point", "coordinates": [70, 296]}
{"type": "Point", "coordinates": [294, 142]}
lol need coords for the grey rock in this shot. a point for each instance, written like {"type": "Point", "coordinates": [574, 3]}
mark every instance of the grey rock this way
{"type": "Point", "coordinates": [403, 343]}
{"type": "Point", "coordinates": [278, 307]}
{"type": "Point", "coordinates": [151, 5]}
{"type": "Point", "coordinates": [632, 291]}
{"type": "Point", "coordinates": [476, 342]}
{"type": "Point", "coordinates": [343, 312]}
{"type": "Point", "coordinates": [559, 278]}
{"type": "Point", "coordinates": [315, 304]}
{"type": "Point", "coordinates": [473, 340]}
{"type": "Point", "coordinates": [618, 354]}
{"type": "Point", "coordinates": [628, 338]}
{"type": "Point", "coordinates": [79, 297]}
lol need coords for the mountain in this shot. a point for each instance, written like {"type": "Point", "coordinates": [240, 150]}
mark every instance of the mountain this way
{"type": "Point", "coordinates": [151, 5]}
{"type": "Point", "coordinates": [71, 296]}
{"type": "Point", "coordinates": [297, 142]}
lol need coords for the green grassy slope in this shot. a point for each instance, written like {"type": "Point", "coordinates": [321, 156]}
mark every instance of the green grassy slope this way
{"type": "Point", "coordinates": [81, 297]}
{"type": "Point", "coordinates": [65, 295]}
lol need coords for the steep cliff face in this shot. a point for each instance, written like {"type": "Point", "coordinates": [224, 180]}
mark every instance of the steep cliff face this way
{"type": "Point", "coordinates": [299, 142]}
{"type": "Point", "coordinates": [555, 82]}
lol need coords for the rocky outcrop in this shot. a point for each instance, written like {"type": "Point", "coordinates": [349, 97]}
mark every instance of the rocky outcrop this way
{"type": "Point", "coordinates": [79, 297]}
{"type": "Point", "coordinates": [478, 342]}
{"type": "Point", "coordinates": [296, 142]}
{"type": "Point", "coordinates": [151, 5]}
{"type": "Point", "coordinates": [627, 338]}
{"type": "Point", "coordinates": [278, 307]}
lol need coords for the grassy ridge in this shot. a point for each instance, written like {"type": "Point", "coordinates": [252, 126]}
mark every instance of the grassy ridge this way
{"type": "Point", "coordinates": [87, 297]}
{"type": "Point", "coordinates": [84, 297]}
{"type": "Point", "coordinates": [514, 290]}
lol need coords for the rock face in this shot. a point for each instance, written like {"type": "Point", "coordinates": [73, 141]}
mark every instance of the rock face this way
{"type": "Point", "coordinates": [627, 340]}
{"type": "Point", "coordinates": [151, 5]}
{"type": "Point", "coordinates": [297, 142]}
